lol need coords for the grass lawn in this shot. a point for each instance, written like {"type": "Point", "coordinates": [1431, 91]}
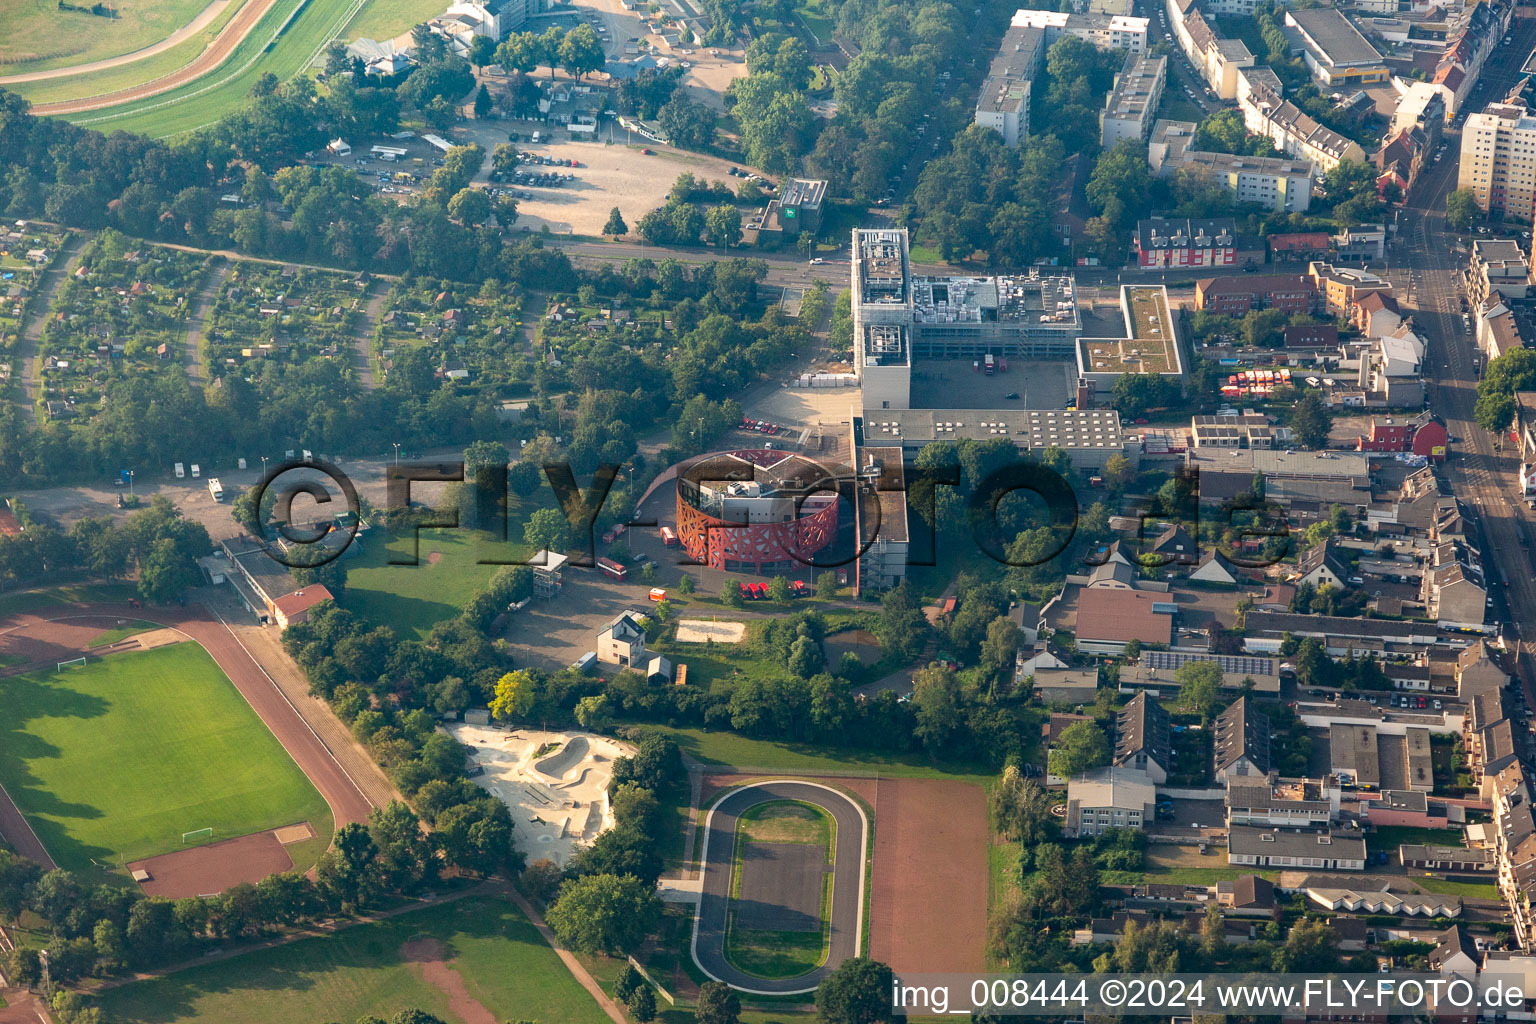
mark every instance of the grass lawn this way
{"type": "Point", "coordinates": [504, 963]}
{"type": "Point", "coordinates": [49, 598]}
{"type": "Point", "coordinates": [115, 760]}
{"type": "Point", "coordinates": [1181, 865]}
{"type": "Point", "coordinates": [11, 660]}
{"type": "Point", "coordinates": [126, 76]}
{"type": "Point", "coordinates": [787, 821]}
{"type": "Point", "coordinates": [1446, 887]}
{"type": "Point", "coordinates": [1390, 837]}
{"type": "Point", "coordinates": [200, 103]}
{"type": "Point", "coordinates": [775, 954]}
{"type": "Point", "coordinates": [112, 636]}
{"type": "Point", "coordinates": [385, 20]}
{"type": "Point", "coordinates": [413, 598]}
{"type": "Point", "coordinates": [39, 36]}
{"type": "Point", "coordinates": [725, 748]}
{"type": "Point", "coordinates": [818, 19]}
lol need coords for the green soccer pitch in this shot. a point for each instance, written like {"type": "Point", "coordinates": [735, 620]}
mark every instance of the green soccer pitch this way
{"type": "Point", "coordinates": [113, 761]}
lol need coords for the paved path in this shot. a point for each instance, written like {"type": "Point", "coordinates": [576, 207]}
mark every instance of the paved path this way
{"type": "Point", "coordinates": [216, 53]}
{"type": "Point", "coordinates": [847, 883]}
{"type": "Point", "coordinates": [197, 322]}
{"type": "Point", "coordinates": [25, 358]}
{"type": "Point", "coordinates": [187, 31]}
{"type": "Point", "coordinates": [362, 339]}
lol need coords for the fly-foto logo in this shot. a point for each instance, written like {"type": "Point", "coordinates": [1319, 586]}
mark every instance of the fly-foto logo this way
{"type": "Point", "coordinates": [1246, 521]}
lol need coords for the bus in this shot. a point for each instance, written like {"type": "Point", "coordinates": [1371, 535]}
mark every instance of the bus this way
{"type": "Point", "coordinates": [612, 568]}
{"type": "Point", "coordinates": [668, 536]}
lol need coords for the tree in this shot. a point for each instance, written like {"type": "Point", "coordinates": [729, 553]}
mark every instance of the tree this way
{"type": "Point", "coordinates": [936, 700]}
{"type": "Point", "coordinates": [484, 453]}
{"type": "Point", "coordinates": [717, 1004]}
{"type": "Point", "coordinates": [580, 51]}
{"type": "Point", "coordinates": [723, 225]}
{"type": "Point", "coordinates": [1199, 686]}
{"type": "Point", "coordinates": [685, 585]}
{"type": "Point", "coordinates": [857, 992]}
{"type": "Point", "coordinates": [730, 593]}
{"type": "Point", "coordinates": [547, 529]}
{"type": "Point", "coordinates": [615, 226]}
{"type": "Point", "coordinates": [687, 124]}
{"type": "Point", "coordinates": [778, 590]}
{"type": "Point", "coordinates": [482, 95]}
{"type": "Point", "coordinates": [604, 913]}
{"type": "Point", "coordinates": [522, 52]}
{"type": "Point", "coordinates": [627, 983]}
{"type": "Point", "coordinates": [515, 695]}
{"type": "Point", "coordinates": [1461, 209]}
{"type": "Point", "coordinates": [1134, 394]}
{"type": "Point", "coordinates": [1310, 421]}
{"type": "Point", "coordinates": [642, 1004]}
{"type": "Point", "coordinates": [469, 206]}
{"type": "Point", "coordinates": [1513, 371]}
{"type": "Point", "coordinates": [1082, 746]}
{"type": "Point", "coordinates": [1120, 180]}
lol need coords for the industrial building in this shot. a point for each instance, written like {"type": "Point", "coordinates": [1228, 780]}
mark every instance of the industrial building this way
{"type": "Point", "coordinates": [1334, 50]}
{"type": "Point", "coordinates": [899, 317]}
{"type": "Point", "coordinates": [1132, 104]}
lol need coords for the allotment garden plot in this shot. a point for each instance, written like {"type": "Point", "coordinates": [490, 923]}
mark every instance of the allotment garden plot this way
{"type": "Point", "coordinates": [25, 253]}
{"type": "Point", "coordinates": [266, 312]}
{"type": "Point", "coordinates": [121, 313]}
{"type": "Point", "coordinates": [455, 333]}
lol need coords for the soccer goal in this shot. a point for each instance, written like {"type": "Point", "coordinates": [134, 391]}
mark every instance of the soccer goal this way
{"type": "Point", "coordinates": [71, 663]}
{"type": "Point", "coordinates": [196, 836]}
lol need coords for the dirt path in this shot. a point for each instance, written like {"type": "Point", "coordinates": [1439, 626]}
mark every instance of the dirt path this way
{"type": "Point", "coordinates": [197, 323]}
{"type": "Point", "coordinates": [196, 25]}
{"type": "Point", "coordinates": [362, 340]}
{"type": "Point", "coordinates": [217, 53]}
{"type": "Point", "coordinates": [25, 359]}
{"type": "Point", "coordinates": [573, 965]}
{"type": "Point", "coordinates": [429, 957]}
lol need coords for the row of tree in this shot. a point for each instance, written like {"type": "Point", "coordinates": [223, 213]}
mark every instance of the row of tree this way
{"type": "Point", "coordinates": [156, 546]}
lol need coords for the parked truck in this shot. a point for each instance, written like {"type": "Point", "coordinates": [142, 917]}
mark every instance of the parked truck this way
{"type": "Point", "coordinates": [215, 489]}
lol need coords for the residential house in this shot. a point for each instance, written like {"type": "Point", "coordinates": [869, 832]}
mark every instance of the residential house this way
{"type": "Point", "coordinates": [622, 641]}
{"type": "Point", "coordinates": [1241, 743]}
{"type": "Point", "coordinates": [1142, 738]}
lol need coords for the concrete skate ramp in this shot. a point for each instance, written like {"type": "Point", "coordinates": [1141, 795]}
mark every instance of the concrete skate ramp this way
{"type": "Point", "coordinates": [563, 760]}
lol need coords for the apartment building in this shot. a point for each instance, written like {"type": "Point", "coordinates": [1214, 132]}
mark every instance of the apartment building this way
{"type": "Point", "coordinates": [1235, 296]}
{"type": "Point", "coordinates": [1105, 31]}
{"type": "Point", "coordinates": [1341, 287]}
{"type": "Point", "coordinates": [1277, 183]}
{"type": "Point", "coordinates": [1498, 271]}
{"type": "Point", "coordinates": [1003, 104]}
{"type": "Point", "coordinates": [1182, 242]}
{"type": "Point", "coordinates": [1498, 160]}
{"type": "Point", "coordinates": [1217, 60]}
{"type": "Point", "coordinates": [1133, 102]}
{"type": "Point", "coordinates": [1288, 127]}
{"type": "Point", "coordinates": [1169, 142]}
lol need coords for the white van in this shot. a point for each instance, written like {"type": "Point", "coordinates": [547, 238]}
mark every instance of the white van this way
{"type": "Point", "coordinates": [197, 471]}
{"type": "Point", "coordinates": [181, 471]}
{"type": "Point", "coordinates": [535, 137]}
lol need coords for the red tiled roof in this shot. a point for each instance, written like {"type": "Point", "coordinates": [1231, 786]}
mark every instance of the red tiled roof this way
{"type": "Point", "coordinates": [1119, 616]}
{"type": "Point", "coordinates": [301, 601]}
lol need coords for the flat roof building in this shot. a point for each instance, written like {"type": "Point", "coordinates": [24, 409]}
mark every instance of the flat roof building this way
{"type": "Point", "coordinates": [1282, 848]}
{"type": "Point", "coordinates": [1334, 49]}
{"type": "Point", "coordinates": [1132, 104]}
{"type": "Point", "coordinates": [1003, 103]}
{"type": "Point", "coordinates": [1150, 344]}
{"type": "Point", "coordinates": [1276, 183]}
{"type": "Point", "coordinates": [1105, 31]}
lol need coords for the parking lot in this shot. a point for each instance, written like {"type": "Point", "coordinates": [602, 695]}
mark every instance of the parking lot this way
{"type": "Point", "coordinates": [612, 169]}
